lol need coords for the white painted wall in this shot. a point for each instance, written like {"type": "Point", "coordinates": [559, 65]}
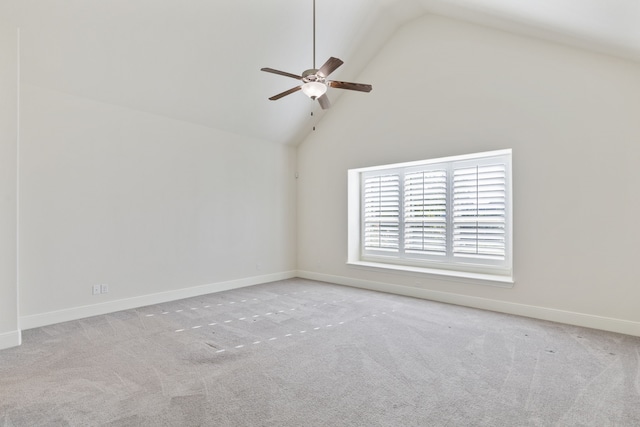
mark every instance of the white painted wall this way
{"type": "Point", "coordinates": [444, 87]}
{"type": "Point", "coordinates": [9, 333]}
{"type": "Point", "coordinates": [145, 204]}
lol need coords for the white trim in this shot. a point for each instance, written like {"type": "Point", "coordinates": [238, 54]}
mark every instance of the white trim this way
{"type": "Point", "coordinates": [14, 338]}
{"type": "Point", "coordinates": [18, 136]}
{"type": "Point", "coordinates": [451, 275]}
{"type": "Point", "coordinates": [493, 268]}
{"type": "Point", "coordinates": [10, 339]}
{"type": "Point", "coordinates": [543, 313]}
{"type": "Point", "coordinates": [44, 319]}
{"type": "Point", "coordinates": [353, 215]}
{"type": "Point", "coordinates": [462, 157]}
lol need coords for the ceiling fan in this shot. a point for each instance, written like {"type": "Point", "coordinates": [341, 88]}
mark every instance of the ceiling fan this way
{"type": "Point", "coordinates": [314, 81]}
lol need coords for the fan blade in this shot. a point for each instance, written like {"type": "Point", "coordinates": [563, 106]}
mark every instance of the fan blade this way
{"type": "Point", "coordinates": [281, 73]}
{"type": "Point", "coordinates": [324, 102]}
{"type": "Point", "coordinates": [329, 66]}
{"type": "Point", "coordinates": [285, 93]}
{"type": "Point", "coordinates": [360, 87]}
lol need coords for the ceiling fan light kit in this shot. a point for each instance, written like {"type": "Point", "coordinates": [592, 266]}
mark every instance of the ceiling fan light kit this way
{"type": "Point", "coordinates": [314, 89]}
{"type": "Point", "coordinates": [314, 81]}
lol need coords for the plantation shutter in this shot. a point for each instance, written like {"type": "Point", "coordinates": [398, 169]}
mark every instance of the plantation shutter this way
{"type": "Point", "coordinates": [479, 211]}
{"type": "Point", "coordinates": [425, 212]}
{"type": "Point", "coordinates": [382, 213]}
{"type": "Point", "coordinates": [449, 214]}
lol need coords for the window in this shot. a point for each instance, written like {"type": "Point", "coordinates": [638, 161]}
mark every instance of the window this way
{"type": "Point", "coordinates": [451, 214]}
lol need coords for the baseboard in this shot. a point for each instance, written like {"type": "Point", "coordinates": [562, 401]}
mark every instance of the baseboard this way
{"type": "Point", "coordinates": [567, 317]}
{"type": "Point", "coordinates": [13, 338]}
{"type": "Point", "coordinates": [10, 339]}
{"type": "Point", "coordinates": [75, 313]}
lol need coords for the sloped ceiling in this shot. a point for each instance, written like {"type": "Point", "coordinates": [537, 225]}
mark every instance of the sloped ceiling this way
{"type": "Point", "coordinates": [199, 61]}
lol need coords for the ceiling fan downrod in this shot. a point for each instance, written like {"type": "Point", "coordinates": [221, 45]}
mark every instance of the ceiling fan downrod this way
{"type": "Point", "coordinates": [314, 34]}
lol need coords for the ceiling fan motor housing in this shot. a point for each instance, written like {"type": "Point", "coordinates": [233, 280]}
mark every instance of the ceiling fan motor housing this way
{"type": "Point", "coordinates": [312, 75]}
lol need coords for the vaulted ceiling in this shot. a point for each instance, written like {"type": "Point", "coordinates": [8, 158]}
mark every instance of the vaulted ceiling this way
{"type": "Point", "coordinates": [199, 60]}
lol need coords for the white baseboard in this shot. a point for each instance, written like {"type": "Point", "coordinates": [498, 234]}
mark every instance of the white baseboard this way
{"type": "Point", "coordinates": [567, 317]}
{"type": "Point", "coordinates": [50, 318]}
{"type": "Point", "coordinates": [10, 339]}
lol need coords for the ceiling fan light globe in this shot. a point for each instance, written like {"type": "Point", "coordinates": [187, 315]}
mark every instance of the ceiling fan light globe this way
{"type": "Point", "coordinates": [314, 89]}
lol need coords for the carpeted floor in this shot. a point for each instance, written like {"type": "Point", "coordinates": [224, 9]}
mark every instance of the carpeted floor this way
{"type": "Point", "coordinates": [304, 353]}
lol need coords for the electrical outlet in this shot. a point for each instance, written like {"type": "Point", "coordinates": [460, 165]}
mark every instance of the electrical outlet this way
{"type": "Point", "coordinates": [104, 288]}
{"type": "Point", "coordinates": [95, 290]}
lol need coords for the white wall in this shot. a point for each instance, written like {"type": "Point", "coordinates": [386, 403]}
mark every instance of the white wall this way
{"type": "Point", "coordinates": [444, 87]}
{"type": "Point", "coordinates": [9, 333]}
{"type": "Point", "coordinates": [162, 209]}
{"type": "Point", "coordinates": [153, 207]}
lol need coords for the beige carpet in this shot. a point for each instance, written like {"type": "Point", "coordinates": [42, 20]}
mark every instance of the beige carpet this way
{"type": "Point", "coordinates": [304, 353]}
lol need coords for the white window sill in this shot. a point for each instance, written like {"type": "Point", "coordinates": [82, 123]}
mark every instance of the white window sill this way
{"type": "Point", "coordinates": [452, 275]}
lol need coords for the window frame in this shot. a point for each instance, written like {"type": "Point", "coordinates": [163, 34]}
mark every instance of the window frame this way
{"type": "Point", "coordinates": [500, 271]}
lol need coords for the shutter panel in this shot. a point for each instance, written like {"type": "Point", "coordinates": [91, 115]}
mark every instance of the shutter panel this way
{"type": "Point", "coordinates": [425, 212]}
{"type": "Point", "coordinates": [382, 213]}
{"type": "Point", "coordinates": [479, 211]}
